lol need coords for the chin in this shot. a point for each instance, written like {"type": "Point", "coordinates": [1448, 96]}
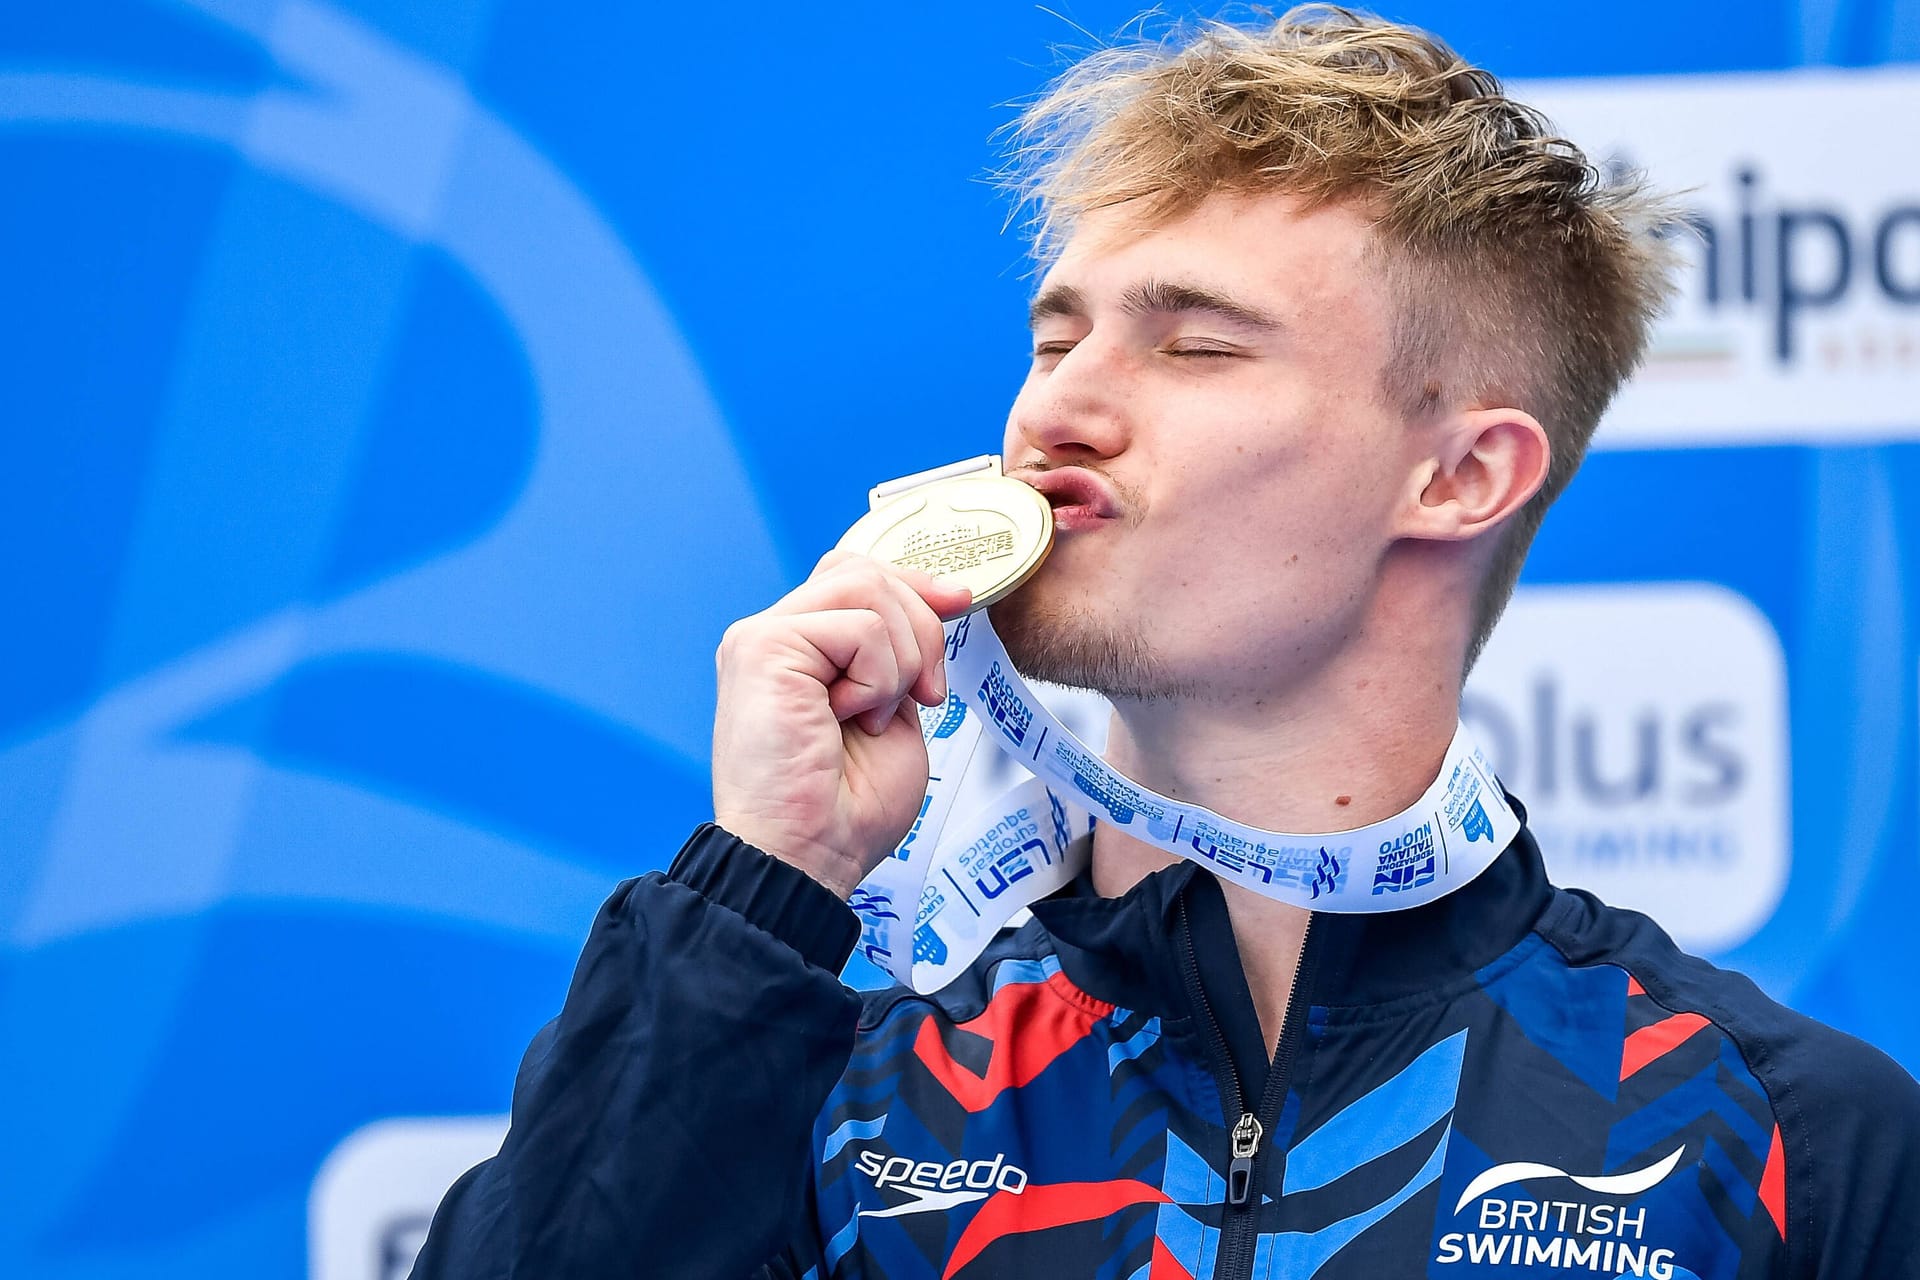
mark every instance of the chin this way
{"type": "Point", "coordinates": [1080, 643]}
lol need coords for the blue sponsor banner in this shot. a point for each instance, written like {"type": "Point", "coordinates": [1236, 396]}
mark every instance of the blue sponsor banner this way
{"type": "Point", "coordinates": [399, 400]}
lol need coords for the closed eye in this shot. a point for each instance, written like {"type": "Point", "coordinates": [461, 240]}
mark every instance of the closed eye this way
{"type": "Point", "coordinates": [1227, 352]}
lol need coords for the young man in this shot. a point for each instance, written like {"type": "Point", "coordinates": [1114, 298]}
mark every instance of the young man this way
{"type": "Point", "coordinates": [1327, 322]}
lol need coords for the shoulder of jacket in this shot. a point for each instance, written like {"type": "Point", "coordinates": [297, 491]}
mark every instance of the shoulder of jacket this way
{"type": "Point", "coordinates": [1847, 1116]}
{"type": "Point", "coordinates": [1770, 1035]}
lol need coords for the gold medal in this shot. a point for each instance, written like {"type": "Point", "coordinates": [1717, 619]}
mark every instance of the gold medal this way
{"type": "Point", "coordinates": [967, 524]}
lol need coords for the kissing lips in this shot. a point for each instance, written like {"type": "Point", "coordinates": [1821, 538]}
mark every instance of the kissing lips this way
{"type": "Point", "coordinates": [1080, 498]}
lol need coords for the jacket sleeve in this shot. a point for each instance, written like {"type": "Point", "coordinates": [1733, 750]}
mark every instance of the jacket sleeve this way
{"type": "Point", "coordinates": [662, 1123]}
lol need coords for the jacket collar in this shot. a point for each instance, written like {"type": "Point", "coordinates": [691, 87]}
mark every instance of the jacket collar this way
{"type": "Point", "coordinates": [1128, 949]}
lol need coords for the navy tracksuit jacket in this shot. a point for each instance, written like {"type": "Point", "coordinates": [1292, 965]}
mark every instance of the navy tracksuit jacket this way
{"type": "Point", "coordinates": [1513, 1081]}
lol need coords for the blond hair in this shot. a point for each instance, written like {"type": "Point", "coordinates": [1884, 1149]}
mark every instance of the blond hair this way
{"type": "Point", "coordinates": [1521, 276]}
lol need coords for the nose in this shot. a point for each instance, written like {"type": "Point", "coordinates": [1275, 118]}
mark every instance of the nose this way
{"type": "Point", "coordinates": [1075, 410]}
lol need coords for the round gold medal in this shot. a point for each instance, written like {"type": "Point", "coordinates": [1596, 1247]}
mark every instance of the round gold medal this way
{"type": "Point", "coordinates": [981, 530]}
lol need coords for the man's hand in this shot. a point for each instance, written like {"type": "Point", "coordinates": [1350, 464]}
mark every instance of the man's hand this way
{"type": "Point", "coordinates": [817, 755]}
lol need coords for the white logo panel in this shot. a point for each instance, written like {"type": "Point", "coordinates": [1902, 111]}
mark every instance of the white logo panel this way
{"type": "Point", "coordinates": [1799, 312]}
{"type": "Point", "coordinates": [375, 1195]}
{"type": "Point", "coordinates": [1645, 729]}
{"type": "Point", "coordinates": [1620, 1184]}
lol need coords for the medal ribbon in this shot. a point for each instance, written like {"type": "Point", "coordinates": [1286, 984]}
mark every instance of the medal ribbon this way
{"type": "Point", "coordinates": [933, 905]}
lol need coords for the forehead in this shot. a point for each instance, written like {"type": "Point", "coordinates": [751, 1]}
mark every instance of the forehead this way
{"type": "Point", "coordinates": [1312, 268]}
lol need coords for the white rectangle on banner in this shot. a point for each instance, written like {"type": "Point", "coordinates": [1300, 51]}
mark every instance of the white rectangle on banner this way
{"type": "Point", "coordinates": [1798, 317]}
{"type": "Point", "coordinates": [1644, 726]}
{"type": "Point", "coordinates": [374, 1197]}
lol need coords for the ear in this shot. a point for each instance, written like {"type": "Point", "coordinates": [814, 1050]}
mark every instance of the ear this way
{"type": "Point", "coordinates": [1484, 466]}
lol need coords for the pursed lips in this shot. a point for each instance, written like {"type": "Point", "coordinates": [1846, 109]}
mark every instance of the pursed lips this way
{"type": "Point", "coordinates": [1080, 498]}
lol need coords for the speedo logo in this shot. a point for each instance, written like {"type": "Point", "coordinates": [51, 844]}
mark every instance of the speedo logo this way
{"type": "Point", "coordinates": [931, 1187]}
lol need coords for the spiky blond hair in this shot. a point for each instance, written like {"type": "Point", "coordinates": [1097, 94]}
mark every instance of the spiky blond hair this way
{"type": "Point", "coordinates": [1521, 277]}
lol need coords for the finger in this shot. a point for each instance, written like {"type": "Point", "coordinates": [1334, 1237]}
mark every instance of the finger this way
{"type": "Point", "coordinates": [905, 719]}
{"type": "Point", "coordinates": [895, 599]}
{"type": "Point", "coordinates": [851, 652]}
{"type": "Point", "coordinates": [946, 598]}
{"type": "Point", "coordinates": [827, 587]}
{"type": "Point", "coordinates": [909, 714]}
{"type": "Point", "coordinates": [926, 601]}
{"type": "Point", "coordinates": [853, 582]}
{"type": "Point", "coordinates": [929, 682]}
{"type": "Point", "coordinates": [860, 582]}
{"type": "Point", "coordinates": [834, 556]}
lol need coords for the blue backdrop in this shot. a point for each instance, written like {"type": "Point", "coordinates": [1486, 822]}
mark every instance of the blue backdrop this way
{"type": "Point", "coordinates": [399, 398]}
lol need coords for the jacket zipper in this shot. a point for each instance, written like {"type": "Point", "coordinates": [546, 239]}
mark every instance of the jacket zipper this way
{"type": "Point", "coordinates": [1250, 1128]}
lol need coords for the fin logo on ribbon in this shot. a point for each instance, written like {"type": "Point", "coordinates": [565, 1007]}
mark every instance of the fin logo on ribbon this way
{"type": "Point", "coordinates": [1062, 834]}
{"type": "Point", "coordinates": [957, 637]}
{"type": "Point", "coordinates": [1326, 876]}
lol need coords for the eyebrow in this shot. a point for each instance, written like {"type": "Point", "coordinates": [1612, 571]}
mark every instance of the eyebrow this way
{"type": "Point", "coordinates": [1166, 297]}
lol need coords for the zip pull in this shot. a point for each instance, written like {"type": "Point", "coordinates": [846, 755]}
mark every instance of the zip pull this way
{"type": "Point", "coordinates": [1246, 1142]}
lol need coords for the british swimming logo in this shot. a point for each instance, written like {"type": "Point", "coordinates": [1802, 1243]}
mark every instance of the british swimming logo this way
{"type": "Point", "coordinates": [1606, 1236]}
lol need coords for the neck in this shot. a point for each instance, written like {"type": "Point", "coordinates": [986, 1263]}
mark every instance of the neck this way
{"type": "Point", "coordinates": [1356, 744]}
{"type": "Point", "coordinates": [1351, 751]}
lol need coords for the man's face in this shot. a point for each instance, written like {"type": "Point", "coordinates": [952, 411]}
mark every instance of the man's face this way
{"type": "Point", "coordinates": [1221, 378]}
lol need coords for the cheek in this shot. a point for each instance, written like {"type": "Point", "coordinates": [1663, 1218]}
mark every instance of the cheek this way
{"type": "Point", "coordinates": [1288, 516]}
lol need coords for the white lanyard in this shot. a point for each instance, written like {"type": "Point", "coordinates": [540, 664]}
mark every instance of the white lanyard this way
{"type": "Point", "coordinates": [959, 881]}
{"type": "Point", "coordinates": [929, 910]}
